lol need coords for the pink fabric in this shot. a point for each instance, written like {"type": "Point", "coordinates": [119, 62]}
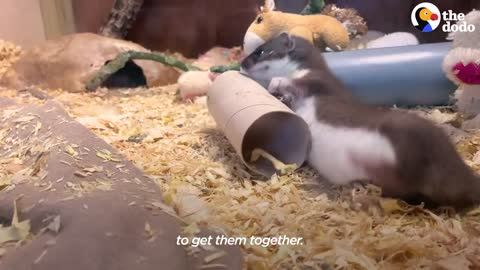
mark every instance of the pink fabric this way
{"type": "Point", "coordinates": [469, 74]}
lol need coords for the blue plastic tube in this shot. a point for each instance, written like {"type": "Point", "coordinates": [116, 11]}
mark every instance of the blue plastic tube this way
{"type": "Point", "coordinates": [403, 76]}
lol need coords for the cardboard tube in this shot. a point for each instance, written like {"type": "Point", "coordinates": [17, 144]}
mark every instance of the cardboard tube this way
{"type": "Point", "coordinates": [252, 118]}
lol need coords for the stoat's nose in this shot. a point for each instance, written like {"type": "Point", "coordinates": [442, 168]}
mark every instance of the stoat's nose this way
{"type": "Point", "coordinates": [246, 64]}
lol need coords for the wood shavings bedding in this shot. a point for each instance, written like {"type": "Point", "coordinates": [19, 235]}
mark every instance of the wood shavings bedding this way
{"type": "Point", "coordinates": [9, 53]}
{"type": "Point", "coordinates": [178, 145]}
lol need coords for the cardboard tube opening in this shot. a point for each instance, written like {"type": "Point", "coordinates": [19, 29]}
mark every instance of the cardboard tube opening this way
{"type": "Point", "coordinates": [281, 134]}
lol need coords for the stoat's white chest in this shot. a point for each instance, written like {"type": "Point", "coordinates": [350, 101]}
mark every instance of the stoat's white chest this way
{"type": "Point", "coordinates": [342, 154]}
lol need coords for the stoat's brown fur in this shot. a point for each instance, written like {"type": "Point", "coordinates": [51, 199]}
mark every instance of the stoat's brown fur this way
{"type": "Point", "coordinates": [407, 156]}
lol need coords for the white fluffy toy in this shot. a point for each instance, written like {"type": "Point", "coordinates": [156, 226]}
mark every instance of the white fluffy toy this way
{"type": "Point", "coordinates": [462, 65]}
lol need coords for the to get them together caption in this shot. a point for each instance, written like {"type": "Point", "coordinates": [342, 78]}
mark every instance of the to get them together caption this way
{"type": "Point", "coordinates": [231, 241]}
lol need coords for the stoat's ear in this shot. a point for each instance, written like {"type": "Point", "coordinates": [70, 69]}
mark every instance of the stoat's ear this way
{"type": "Point", "coordinates": [288, 41]}
{"type": "Point", "coordinates": [269, 5]}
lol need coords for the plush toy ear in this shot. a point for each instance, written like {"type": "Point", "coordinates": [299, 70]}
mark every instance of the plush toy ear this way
{"type": "Point", "coordinates": [288, 41]}
{"type": "Point", "coordinates": [269, 5]}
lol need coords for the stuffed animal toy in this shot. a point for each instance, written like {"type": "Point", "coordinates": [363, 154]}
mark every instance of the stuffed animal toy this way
{"type": "Point", "coordinates": [330, 30]}
{"type": "Point", "coordinates": [462, 65]}
{"type": "Point", "coordinates": [322, 30]}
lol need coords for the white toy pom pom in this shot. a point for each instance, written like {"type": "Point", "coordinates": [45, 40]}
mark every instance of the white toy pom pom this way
{"type": "Point", "coordinates": [393, 40]}
{"type": "Point", "coordinates": [194, 83]}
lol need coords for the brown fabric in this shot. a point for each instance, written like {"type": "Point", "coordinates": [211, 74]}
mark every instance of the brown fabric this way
{"type": "Point", "coordinates": [192, 27]}
{"type": "Point", "coordinates": [102, 229]}
{"type": "Point", "coordinates": [188, 27]}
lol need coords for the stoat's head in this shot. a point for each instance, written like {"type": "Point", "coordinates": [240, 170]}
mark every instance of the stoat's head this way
{"type": "Point", "coordinates": [281, 56]}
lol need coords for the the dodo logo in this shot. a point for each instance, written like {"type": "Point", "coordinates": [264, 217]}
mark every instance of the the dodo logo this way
{"type": "Point", "coordinates": [426, 17]}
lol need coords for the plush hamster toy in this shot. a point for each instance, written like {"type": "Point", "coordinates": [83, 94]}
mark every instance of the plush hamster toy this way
{"type": "Point", "coordinates": [462, 65]}
{"type": "Point", "coordinates": [322, 30]}
{"type": "Point", "coordinates": [325, 31]}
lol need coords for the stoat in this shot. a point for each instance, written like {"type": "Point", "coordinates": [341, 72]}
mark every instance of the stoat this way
{"type": "Point", "coordinates": [407, 156]}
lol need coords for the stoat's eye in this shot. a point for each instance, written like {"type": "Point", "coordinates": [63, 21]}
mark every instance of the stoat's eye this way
{"type": "Point", "coordinates": [259, 19]}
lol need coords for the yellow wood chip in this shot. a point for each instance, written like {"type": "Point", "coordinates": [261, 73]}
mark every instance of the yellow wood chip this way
{"type": "Point", "coordinates": [277, 164]}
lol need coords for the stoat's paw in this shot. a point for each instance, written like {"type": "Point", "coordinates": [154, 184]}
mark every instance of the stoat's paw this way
{"type": "Point", "coordinates": [282, 89]}
{"type": "Point", "coordinates": [280, 86]}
